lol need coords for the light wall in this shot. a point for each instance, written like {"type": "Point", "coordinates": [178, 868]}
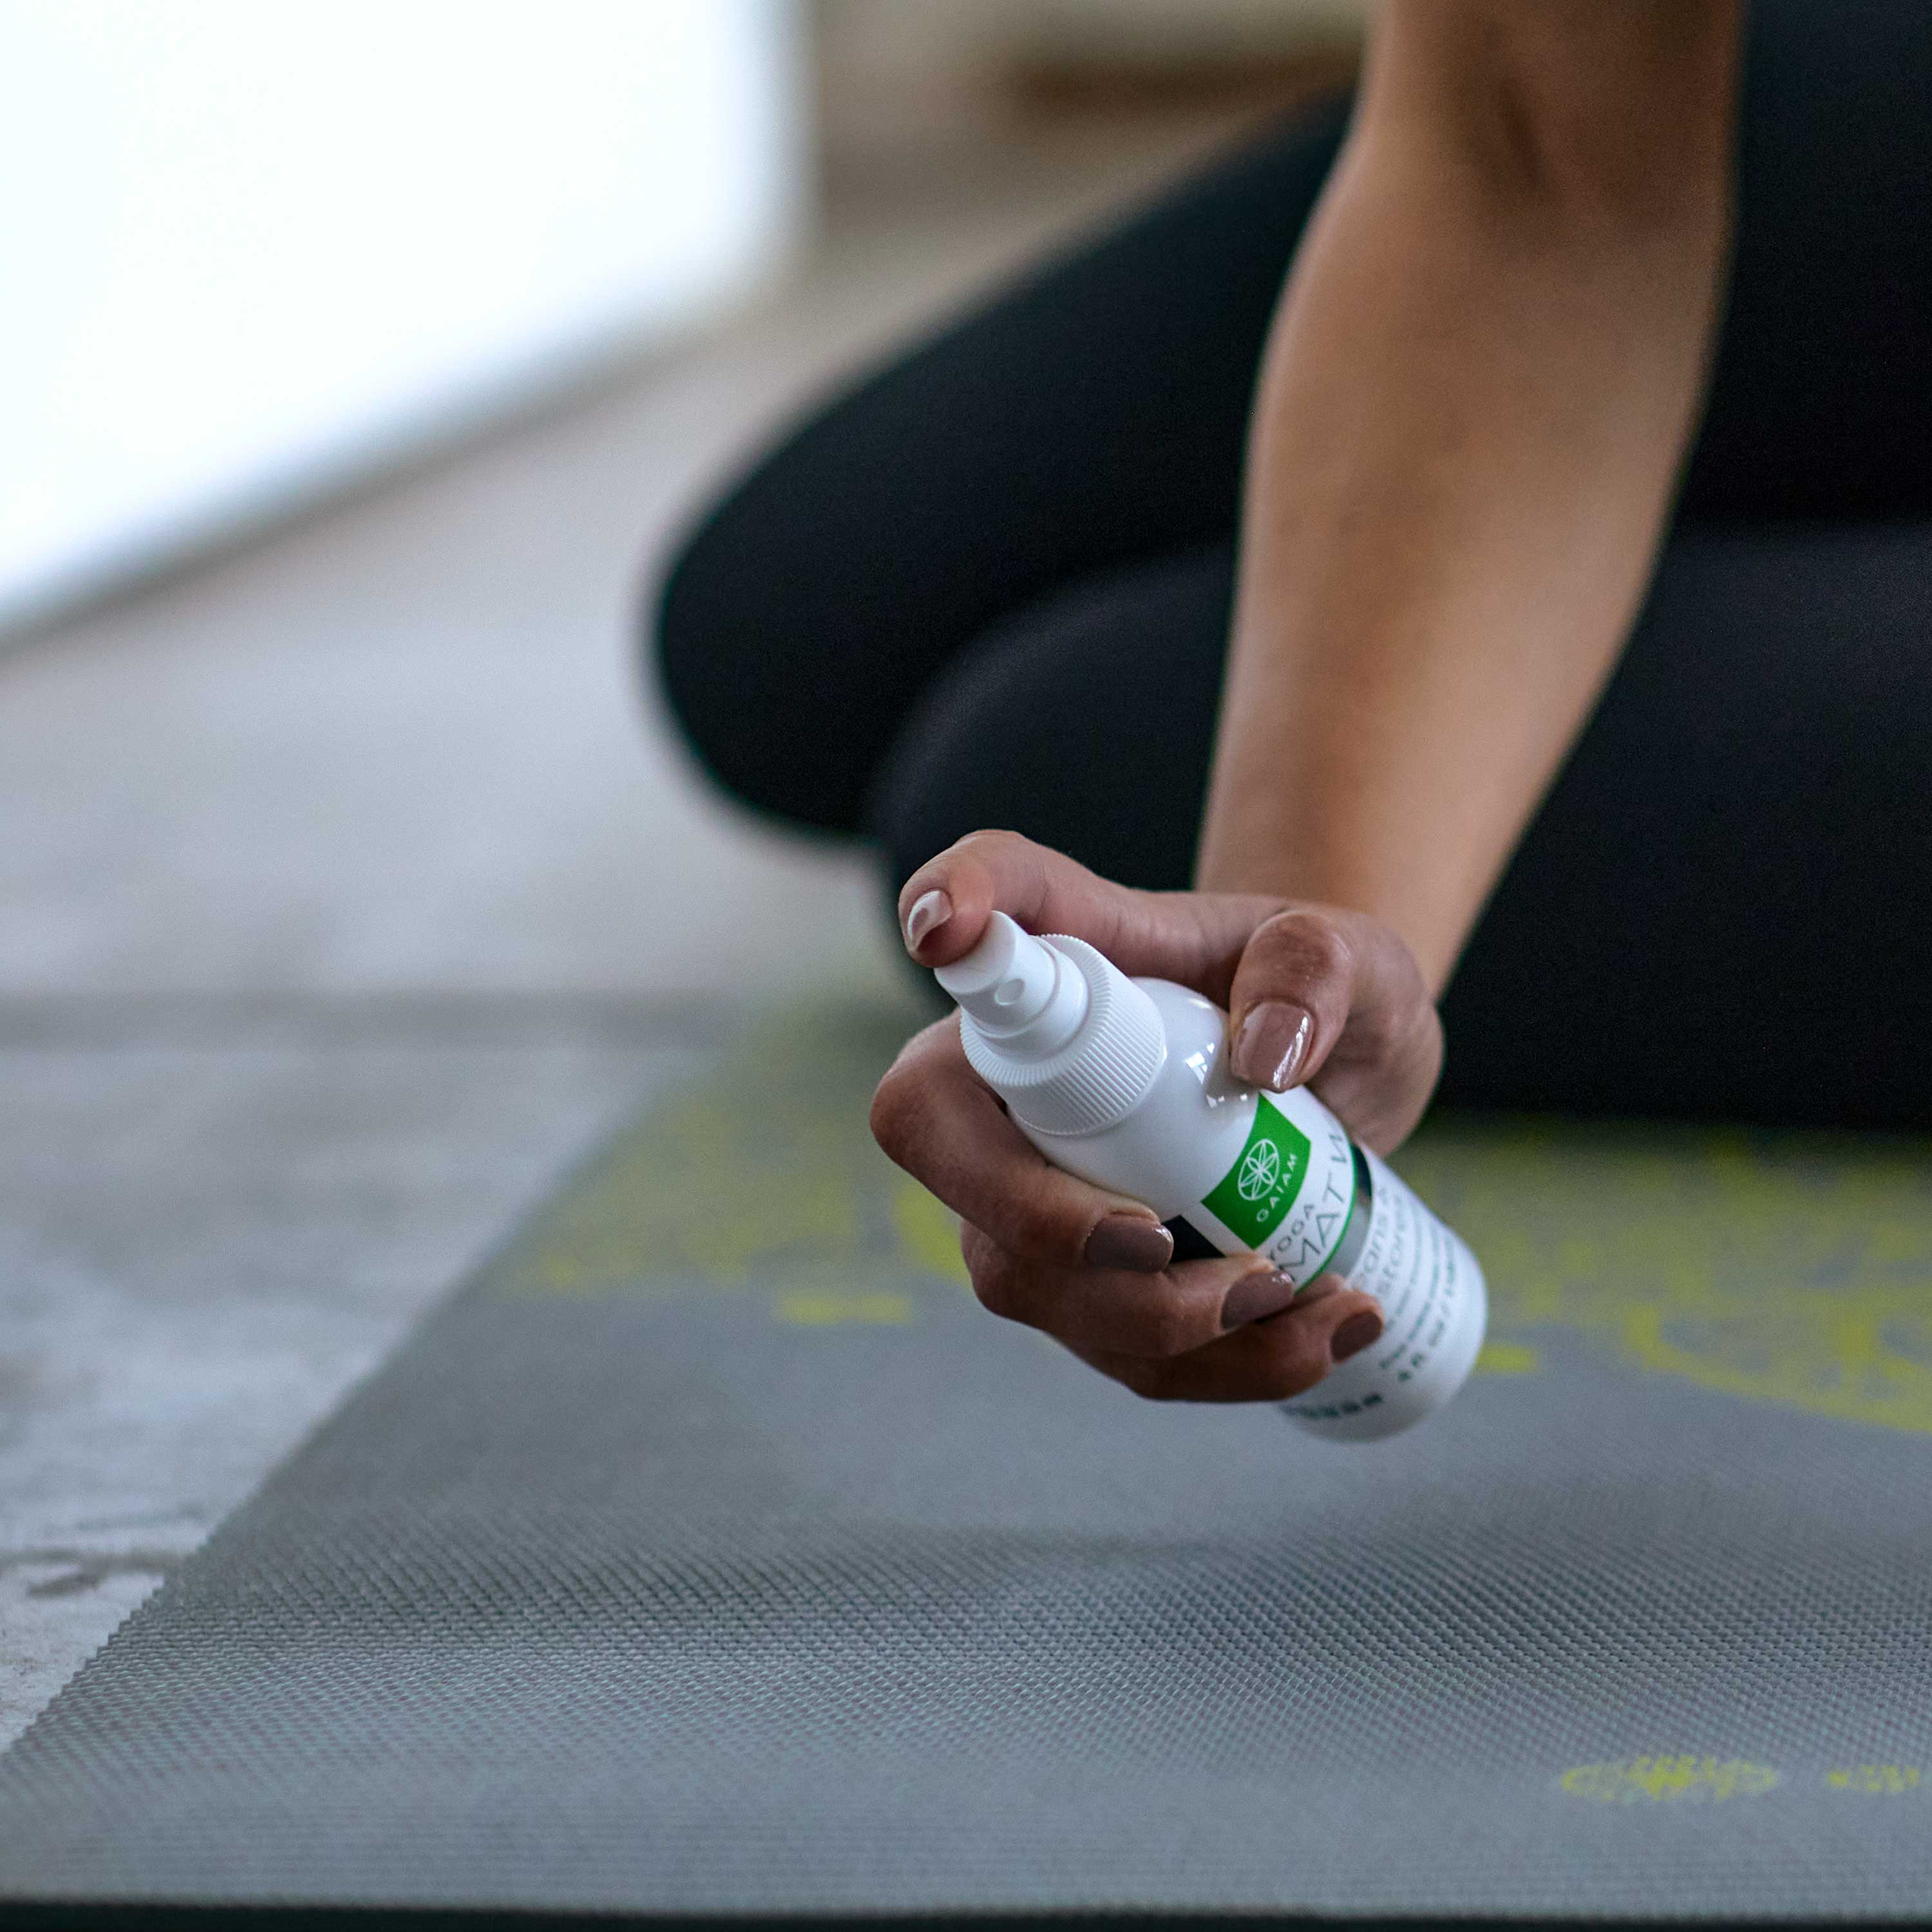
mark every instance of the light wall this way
{"type": "Point", "coordinates": [255, 247]}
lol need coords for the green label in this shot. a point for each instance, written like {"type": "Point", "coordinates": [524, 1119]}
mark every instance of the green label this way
{"type": "Point", "coordinates": [1260, 1188]}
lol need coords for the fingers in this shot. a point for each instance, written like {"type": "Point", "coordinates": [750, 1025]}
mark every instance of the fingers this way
{"type": "Point", "coordinates": [1110, 1311]}
{"type": "Point", "coordinates": [1316, 995]}
{"type": "Point", "coordinates": [933, 1115]}
{"type": "Point", "coordinates": [1194, 938]}
{"type": "Point", "coordinates": [1219, 1330]}
{"type": "Point", "coordinates": [1094, 1270]}
{"type": "Point", "coordinates": [1335, 1000]}
{"type": "Point", "coordinates": [1266, 1361]}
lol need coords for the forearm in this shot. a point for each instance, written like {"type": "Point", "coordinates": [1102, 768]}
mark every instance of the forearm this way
{"type": "Point", "coordinates": [1470, 419]}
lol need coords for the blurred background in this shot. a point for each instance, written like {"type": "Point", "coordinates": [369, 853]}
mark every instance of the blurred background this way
{"type": "Point", "coordinates": [365, 358]}
{"type": "Point", "coordinates": [357, 366]}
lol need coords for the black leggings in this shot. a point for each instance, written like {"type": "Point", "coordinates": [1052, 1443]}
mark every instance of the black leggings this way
{"type": "Point", "coordinates": [991, 587]}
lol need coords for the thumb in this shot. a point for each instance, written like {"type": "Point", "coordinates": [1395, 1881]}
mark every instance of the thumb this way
{"type": "Point", "coordinates": [1193, 938]}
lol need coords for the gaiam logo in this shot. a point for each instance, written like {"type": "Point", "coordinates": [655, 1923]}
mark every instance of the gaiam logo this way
{"type": "Point", "coordinates": [1260, 1171]}
{"type": "Point", "coordinates": [1260, 1186]}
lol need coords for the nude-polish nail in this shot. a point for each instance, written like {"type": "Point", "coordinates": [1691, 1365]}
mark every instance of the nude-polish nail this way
{"type": "Point", "coordinates": [928, 913]}
{"type": "Point", "coordinates": [1359, 1332]}
{"type": "Point", "coordinates": [1271, 1043]}
{"type": "Point", "coordinates": [1254, 1298]}
{"type": "Point", "coordinates": [1127, 1241]}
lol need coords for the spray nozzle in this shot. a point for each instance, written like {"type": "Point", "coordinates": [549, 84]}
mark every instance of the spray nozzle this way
{"type": "Point", "coordinates": [1007, 979]}
{"type": "Point", "coordinates": [1013, 980]}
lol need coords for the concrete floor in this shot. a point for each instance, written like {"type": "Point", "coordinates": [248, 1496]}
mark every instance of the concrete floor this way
{"type": "Point", "coordinates": [351, 889]}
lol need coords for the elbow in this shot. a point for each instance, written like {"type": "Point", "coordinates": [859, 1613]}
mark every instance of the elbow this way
{"type": "Point", "coordinates": [1568, 114]}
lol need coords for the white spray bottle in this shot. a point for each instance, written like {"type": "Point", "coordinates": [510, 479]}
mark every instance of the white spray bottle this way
{"type": "Point", "coordinates": [1123, 1082]}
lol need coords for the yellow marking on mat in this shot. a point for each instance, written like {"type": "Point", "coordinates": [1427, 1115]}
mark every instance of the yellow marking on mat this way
{"type": "Point", "coordinates": [804, 1309]}
{"type": "Point", "coordinates": [1670, 1781]}
{"type": "Point", "coordinates": [1506, 1358]}
{"type": "Point", "coordinates": [1794, 1268]}
{"type": "Point", "coordinates": [763, 1167]}
{"type": "Point", "coordinates": [1875, 1781]}
{"type": "Point", "coordinates": [928, 1230]}
{"type": "Point", "coordinates": [698, 1187]}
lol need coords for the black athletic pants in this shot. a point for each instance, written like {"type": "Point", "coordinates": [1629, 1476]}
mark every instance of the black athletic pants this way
{"type": "Point", "coordinates": [990, 587]}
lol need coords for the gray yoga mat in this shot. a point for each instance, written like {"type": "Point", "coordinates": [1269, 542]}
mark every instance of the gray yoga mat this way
{"type": "Point", "coordinates": [713, 1553]}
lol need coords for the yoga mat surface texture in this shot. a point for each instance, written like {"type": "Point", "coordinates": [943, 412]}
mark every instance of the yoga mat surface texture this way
{"type": "Point", "coordinates": [713, 1551]}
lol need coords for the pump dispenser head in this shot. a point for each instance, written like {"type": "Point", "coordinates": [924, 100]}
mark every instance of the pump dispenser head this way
{"type": "Point", "coordinates": [1055, 1028]}
{"type": "Point", "coordinates": [1018, 990]}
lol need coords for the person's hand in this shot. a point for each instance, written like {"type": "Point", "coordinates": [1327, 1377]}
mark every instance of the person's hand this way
{"type": "Point", "coordinates": [1315, 996]}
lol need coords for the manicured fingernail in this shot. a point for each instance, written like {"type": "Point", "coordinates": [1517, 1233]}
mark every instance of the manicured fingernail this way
{"type": "Point", "coordinates": [1126, 1241]}
{"type": "Point", "coordinates": [1359, 1332]}
{"type": "Point", "coordinates": [930, 910]}
{"type": "Point", "coordinates": [1272, 1044]}
{"type": "Point", "coordinates": [1254, 1298]}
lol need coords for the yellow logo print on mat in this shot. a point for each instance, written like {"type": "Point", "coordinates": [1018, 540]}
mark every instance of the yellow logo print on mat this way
{"type": "Point", "coordinates": [1670, 1781]}
{"type": "Point", "coordinates": [1794, 1268]}
{"type": "Point", "coordinates": [804, 1308]}
{"type": "Point", "coordinates": [1791, 1268]}
{"type": "Point", "coordinates": [1875, 1781]}
{"type": "Point", "coordinates": [761, 1178]}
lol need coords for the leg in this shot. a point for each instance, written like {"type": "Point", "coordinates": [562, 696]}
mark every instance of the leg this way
{"type": "Point", "coordinates": [1720, 909]}
{"type": "Point", "coordinates": [1092, 417]}
{"type": "Point", "coordinates": [1700, 920]}
{"type": "Point", "coordinates": [1085, 721]}
{"type": "Point", "coordinates": [1821, 397]}
{"type": "Point", "coordinates": [1719, 912]}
